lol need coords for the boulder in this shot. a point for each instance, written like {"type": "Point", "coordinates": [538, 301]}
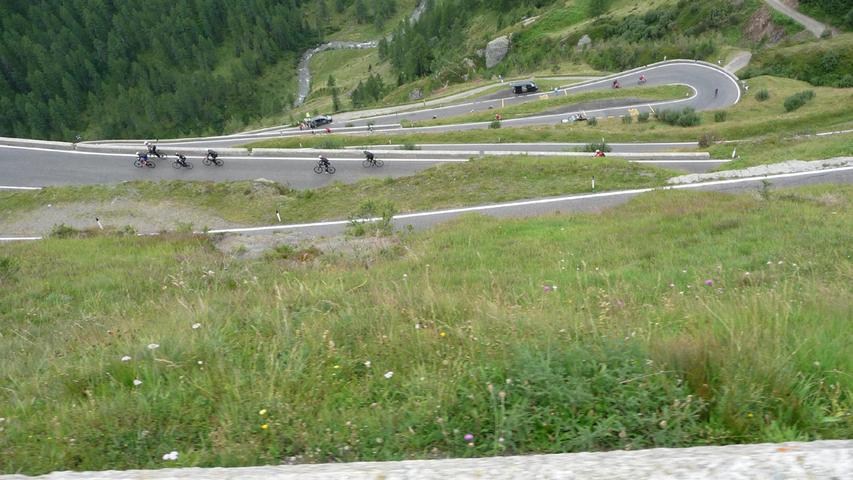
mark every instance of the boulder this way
{"type": "Point", "coordinates": [496, 51]}
{"type": "Point", "coordinates": [416, 94]}
{"type": "Point", "coordinates": [584, 43]}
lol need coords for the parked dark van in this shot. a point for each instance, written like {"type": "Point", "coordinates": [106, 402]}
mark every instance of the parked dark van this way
{"type": "Point", "coordinates": [319, 121]}
{"type": "Point", "coordinates": [524, 87]}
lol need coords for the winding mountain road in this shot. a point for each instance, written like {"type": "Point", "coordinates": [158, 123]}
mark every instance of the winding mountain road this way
{"type": "Point", "coordinates": [34, 164]}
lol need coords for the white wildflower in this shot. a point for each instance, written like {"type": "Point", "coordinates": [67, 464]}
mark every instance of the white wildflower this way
{"type": "Point", "coordinates": [153, 346]}
{"type": "Point", "coordinates": [389, 374]}
{"type": "Point", "coordinates": [126, 358]}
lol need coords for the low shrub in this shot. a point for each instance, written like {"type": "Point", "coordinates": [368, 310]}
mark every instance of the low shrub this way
{"type": "Point", "coordinates": [8, 269]}
{"type": "Point", "coordinates": [592, 122]}
{"type": "Point", "coordinates": [495, 124]}
{"type": "Point", "coordinates": [643, 117]}
{"type": "Point", "coordinates": [63, 231]}
{"type": "Point", "coordinates": [682, 118]}
{"type": "Point", "coordinates": [720, 116]}
{"type": "Point", "coordinates": [627, 120]}
{"type": "Point", "coordinates": [797, 100]}
{"type": "Point", "coordinates": [383, 212]}
{"type": "Point", "coordinates": [592, 147]}
{"type": "Point", "coordinates": [706, 140]}
{"type": "Point", "coordinates": [762, 95]}
{"type": "Point", "coordinates": [410, 146]}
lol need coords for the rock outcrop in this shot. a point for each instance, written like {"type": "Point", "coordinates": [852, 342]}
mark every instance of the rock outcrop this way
{"type": "Point", "coordinates": [496, 51]}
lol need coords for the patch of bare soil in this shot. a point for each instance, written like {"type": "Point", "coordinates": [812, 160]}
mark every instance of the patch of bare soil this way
{"type": "Point", "coordinates": [143, 217]}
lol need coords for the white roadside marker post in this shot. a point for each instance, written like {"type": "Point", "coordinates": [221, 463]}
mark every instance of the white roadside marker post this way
{"type": "Point", "coordinates": [278, 216]}
{"type": "Point", "coordinates": [98, 221]}
{"type": "Point", "coordinates": [593, 183]}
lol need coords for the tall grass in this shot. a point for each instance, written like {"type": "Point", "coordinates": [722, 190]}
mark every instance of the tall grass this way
{"type": "Point", "coordinates": [675, 320]}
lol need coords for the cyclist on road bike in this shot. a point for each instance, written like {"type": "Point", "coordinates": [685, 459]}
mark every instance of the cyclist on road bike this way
{"type": "Point", "coordinates": [182, 159]}
{"type": "Point", "coordinates": [152, 149]}
{"type": "Point", "coordinates": [642, 78]}
{"type": "Point", "coordinates": [143, 157]}
{"type": "Point", "coordinates": [324, 162]}
{"type": "Point", "coordinates": [369, 156]}
{"type": "Point", "coordinates": [212, 155]}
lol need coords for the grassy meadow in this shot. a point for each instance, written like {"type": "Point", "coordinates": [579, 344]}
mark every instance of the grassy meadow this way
{"type": "Point", "coordinates": [681, 318]}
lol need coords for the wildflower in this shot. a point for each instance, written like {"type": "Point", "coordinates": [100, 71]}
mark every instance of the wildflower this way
{"type": "Point", "coordinates": [265, 426]}
{"type": "Point", "coordinates": [662, 424]}
{"type": "Point", "coordinates": [153, 346]}
{"type": "Point", "coordinates": [442, 334]}
{"type": "Point", "coordinates": [125, 358]}
{"type": "Point", "coordinates": [367, 364]}
{"type": "Point", "coordinates": [171, 456]}
{"type": "Point", "coordinates": [547, 288]}
{"type": "Point", "coordinates": [262, 412]}
{"type": "Point", "coordinates": [200, 362]}
{"type": "Point", "coordinates": [500, 439]}
{"type": "Point", "coordinates": [137, 382]}
{"type": "Point", "coordinates": [337, 367]}
{"type": "Point", "coordinates": [389, 374]}
{"type": "Point", "coordinates": [671, 285]}
{"type": "Point", "coordinates": [469, 437]}
{"type": "Point", "coordinates": [196, 326]}
{"type": "Point", "coordinates": [709, 283]}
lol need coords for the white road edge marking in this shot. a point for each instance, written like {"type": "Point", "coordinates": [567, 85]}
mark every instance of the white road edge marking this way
{"type": "Point", "coordinates": [5, 187]}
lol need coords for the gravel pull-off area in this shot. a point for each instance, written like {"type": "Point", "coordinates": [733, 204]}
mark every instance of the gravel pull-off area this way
{"type": "Point", "coordinates": [792, 166]}
{"type": "Point", "coordinates": [831, 460]}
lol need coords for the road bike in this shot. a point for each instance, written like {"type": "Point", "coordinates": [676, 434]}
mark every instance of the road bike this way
{"type": "Point", "coordinates": [320, 168]}
{"type": "Point", "coordinates": [212, 159]}
{"type": "Point", "coordinates": [181, 162]}
{"type": "Point", "coordinates": [139, 163]}
{"type": "Point", "coordinates": [372, 163]}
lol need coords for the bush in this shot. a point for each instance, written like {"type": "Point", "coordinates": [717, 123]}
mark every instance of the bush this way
{"type": "Point", "coordinates": [643, 117]}
{"type": "Point", "coordinates": [8, 269]}
{"type": "Point", "coordinates": [591, 147]}
{"type": "Point", "coordinates": [383, 212]}
{"type": "Point", "coordinates": [797, 100]}
{"type": "Point", "coordinates": [592, 122]}
{"type": "Point", "coordinates": [63, 231]}
{"type": "Point", "coordinates": [706, 139]}
{"type": "Point", "coordinates": [682, 118]}
{"type": "Point", "coordinates": [720, 116]}
{"type": "Point", "coordinates": [495, 124]}
{"type": "Point", "coordinates": [410, 146]}
{"type": "Point", "coordinates": [762, 95]}
{"type": "Point", "coordinates": [627, 120]}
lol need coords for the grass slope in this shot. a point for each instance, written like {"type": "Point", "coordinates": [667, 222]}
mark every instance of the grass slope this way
{"type": "Point", "coordinates": [679, 319]}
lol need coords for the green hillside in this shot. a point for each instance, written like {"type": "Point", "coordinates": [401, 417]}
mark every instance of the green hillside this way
{"type": "Point", "coordinates": [154, 68]}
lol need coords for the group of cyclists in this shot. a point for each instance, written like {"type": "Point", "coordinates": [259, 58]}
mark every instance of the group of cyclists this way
{"type": "Point", "coordinates": [325, 166]}
{"type": "Point", "coordinates": [143, 159]}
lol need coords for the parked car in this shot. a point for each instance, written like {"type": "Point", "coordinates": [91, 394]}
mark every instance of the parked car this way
{"type": "Point", "coordinates": [319, 121]}
{"type": "Point", "coordinates": [525, 86]}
